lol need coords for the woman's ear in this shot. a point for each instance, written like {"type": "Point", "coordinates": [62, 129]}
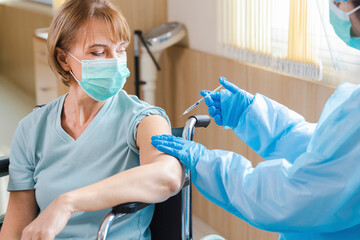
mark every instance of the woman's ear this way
{"type": "Point", "coordinates": [61, 57]}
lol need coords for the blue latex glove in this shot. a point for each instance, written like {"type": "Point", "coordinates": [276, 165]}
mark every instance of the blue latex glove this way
{"type": "Point", "coordinates": [227, 105]}
{"type": "Point", "coordinates": [188, 152]}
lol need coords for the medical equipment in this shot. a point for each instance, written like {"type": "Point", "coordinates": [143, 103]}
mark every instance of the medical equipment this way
{"type": "Point", "coordinates": [200, 101]}
{"type": "Point", "coordinates": [153, 43]}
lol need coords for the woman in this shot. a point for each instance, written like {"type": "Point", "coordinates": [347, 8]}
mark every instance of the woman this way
{"type": "Point", "coordinates": [310, 186]}
{"type": "Point", "coordinates": [79, 155]}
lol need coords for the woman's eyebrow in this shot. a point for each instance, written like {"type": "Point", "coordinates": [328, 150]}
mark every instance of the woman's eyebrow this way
{"type": "Point", "coordinates": [98, 45]}
{"type": "Point", "coordinates": [122, 44]}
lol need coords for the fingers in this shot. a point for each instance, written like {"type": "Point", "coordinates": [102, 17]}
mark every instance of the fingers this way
{"type": "Point", "coordinates": [218, 120]}
{"type": "Point", "coordinates": [168, 150]}
{"type": "Point", "coordinates": [204, 92]}
{"type": "Point", "coordinates": [173, 145]}
{"type": "Point", "coordinates": [216, 114]}
{"type": "Point", "coordinates": [213, 112]}
{"type": "Point", "coordinates": [164, 137]}
{"type": "Point", "coordinates": [228, 85]}
{"type": "Point", "coordinates": [215, 96]}
{"type": "Point", "coordinates": [168, 140]}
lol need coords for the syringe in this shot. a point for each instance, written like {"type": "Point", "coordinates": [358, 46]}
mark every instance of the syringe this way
{"type": "Point", "coordinates": [200, 101]}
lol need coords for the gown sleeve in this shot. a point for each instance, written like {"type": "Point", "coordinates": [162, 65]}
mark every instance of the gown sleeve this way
{"type": "Point", "coordinates": [273, 130]}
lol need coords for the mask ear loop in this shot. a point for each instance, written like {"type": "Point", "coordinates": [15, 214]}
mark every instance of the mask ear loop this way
{"type": "Point", "coordinates": [327, 38]}
{"type": "Point", "coordinates": [70, 70]}
{"type": "Point", "coordinates": [72, 74]}
{"type": "Point", "coordinates": [74, 57]}
{"type": "Point", "coordinates": [354, 10]}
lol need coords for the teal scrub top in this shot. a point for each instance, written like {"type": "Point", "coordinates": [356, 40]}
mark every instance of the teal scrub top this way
{"type": "Point", "coordinates": [45, 158]}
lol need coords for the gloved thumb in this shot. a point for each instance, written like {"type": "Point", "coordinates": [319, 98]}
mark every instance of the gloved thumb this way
{"type": "Point", "coordinates": [228, 85]}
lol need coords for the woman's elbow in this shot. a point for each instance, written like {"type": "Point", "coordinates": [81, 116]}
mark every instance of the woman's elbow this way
{"type": "Point", "coordinates": [174, 177]}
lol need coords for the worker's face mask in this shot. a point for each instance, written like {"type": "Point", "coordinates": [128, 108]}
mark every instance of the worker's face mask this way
{"type": "Point", "coordinates": [103, 78]}
{"type": "Point", "coordinates": [341, 23]}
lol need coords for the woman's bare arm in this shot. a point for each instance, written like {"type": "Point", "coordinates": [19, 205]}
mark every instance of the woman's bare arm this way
{"type": "Point", "coordinates": [22, 210]}
{"type": "Point", "coordinates": [158, 177]}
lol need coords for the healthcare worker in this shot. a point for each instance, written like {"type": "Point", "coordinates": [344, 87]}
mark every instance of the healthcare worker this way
{"type": "Point", "coordinates": [310, 186]}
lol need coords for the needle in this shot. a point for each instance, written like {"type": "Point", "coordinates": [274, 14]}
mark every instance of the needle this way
{"type": "Point", "coordinates": [200, 101]}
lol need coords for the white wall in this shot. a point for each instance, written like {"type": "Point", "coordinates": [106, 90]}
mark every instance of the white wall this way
{"type": "Point", "coordinates": [199, 17]}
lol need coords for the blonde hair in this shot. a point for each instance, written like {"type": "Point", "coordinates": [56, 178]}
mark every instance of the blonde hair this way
{"type": "Point", "coordinates": [72, 16]}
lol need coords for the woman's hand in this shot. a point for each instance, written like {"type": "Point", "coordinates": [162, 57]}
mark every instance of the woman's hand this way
{"type": "Point", "coordinates": [50, 222]}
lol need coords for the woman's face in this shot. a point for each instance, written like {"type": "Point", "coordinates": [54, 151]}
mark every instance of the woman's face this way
{"type": "Point", "coordinates": [347, 6]}
{"type": "Point", "coordinates": [93, 42]}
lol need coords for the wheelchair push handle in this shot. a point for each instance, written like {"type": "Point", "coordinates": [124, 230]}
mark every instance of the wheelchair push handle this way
{"type": "Point", "coordinates": [192, 123]}
{"type": "Point", "coordinates": [201, 120]}
{"type": "Point", "coordinates": [4, 166]}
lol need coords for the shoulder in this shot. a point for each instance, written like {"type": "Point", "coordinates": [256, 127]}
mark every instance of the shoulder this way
{"type": "Point", "coordinates": [340, 126]}
{"type": "Point", "coordinates": [345, 93]}
{"type": "Point", "coordinates": [40, 115]}
{"type": "Point", "coordinates": [129, 102]}
{"type": "Point", "coordinates": [134, 111]}
{"type": "Point", "coordinates": [134, 108]}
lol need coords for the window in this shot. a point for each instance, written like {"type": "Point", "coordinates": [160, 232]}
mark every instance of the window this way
{"type": "Point", "coordinates": [288, 36]}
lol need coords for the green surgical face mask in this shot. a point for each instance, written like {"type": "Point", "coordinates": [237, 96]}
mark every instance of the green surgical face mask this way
{"type": "Point", "coordinates": [103, 78]}
{"type": "Point", "coordinates": [341, 23]}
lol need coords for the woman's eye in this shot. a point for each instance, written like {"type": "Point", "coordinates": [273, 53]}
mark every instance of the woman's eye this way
{"type": "Point", "coordinates": [97, 53]}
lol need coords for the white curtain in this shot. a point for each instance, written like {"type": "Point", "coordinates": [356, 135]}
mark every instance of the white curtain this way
{"type": "Point", "coordinates": [285, 36]}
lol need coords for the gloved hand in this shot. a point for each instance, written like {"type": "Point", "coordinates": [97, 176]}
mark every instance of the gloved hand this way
{"type": "Point", "coordinates": [188, 152]}
{"type": "Point", "coordinates": [227, 105]}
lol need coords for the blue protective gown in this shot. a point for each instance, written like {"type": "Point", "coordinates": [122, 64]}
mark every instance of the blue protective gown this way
{"type": "Point", "coordinates": [310, 187]}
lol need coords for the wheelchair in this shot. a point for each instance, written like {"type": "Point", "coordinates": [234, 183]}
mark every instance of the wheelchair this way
{"type": "Point", "coordinates": [172, 219]}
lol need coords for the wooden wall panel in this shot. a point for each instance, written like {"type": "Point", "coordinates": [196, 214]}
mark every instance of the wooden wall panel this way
{"type": "Point", "coordinates": [17, 25]}
{"type": "Point", "coordinates": [141, 15]}
{"type": "Point", "coordinates": [188, 72]}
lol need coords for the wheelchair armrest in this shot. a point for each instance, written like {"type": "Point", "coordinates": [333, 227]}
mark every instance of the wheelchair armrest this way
{"type": "Point", "coordinates": [136, 206]}
{"type": "Point", "coordinates": [117, 212]}
{"type": "Point", "coordinates": [129, 207]}
{"type": "Point", "coordinates": [121, 210]}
